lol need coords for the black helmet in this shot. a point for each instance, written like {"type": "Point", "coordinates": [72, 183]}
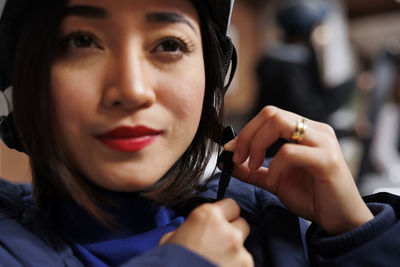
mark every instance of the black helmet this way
{"type": "Point", "coordinates": [299, 17]}
{"type": "Point", "coordinates": [11, 20]}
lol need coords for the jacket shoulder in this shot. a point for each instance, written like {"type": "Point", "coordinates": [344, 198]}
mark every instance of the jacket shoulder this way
{"type": "Point", "coordinates": [12, 202]}
{"type": "Point", "coordinates": [22, 229]}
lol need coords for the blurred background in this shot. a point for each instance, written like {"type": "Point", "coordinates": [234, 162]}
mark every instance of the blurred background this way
{"type": "Point", "coordinates": [335, 61]}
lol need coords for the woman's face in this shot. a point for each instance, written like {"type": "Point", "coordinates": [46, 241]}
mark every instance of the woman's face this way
{"type": "Point", "coordinates": [127, 88]}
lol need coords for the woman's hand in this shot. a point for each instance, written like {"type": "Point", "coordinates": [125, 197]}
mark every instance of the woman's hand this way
{"type": "Point", "coordinates": [310, 177]}
{"type": "Point", "coordinates": [216, 232]}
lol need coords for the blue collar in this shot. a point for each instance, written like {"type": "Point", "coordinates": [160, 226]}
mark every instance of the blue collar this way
{"type": "Point", "coordinates": [141, 224]}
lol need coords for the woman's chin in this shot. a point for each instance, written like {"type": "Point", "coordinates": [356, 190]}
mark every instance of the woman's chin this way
{"type": "Point", "coordinates": [132, 182]}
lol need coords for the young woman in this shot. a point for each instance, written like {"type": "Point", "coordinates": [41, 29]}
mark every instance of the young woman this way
{"type": "Point", "coordinates": [119, 106]}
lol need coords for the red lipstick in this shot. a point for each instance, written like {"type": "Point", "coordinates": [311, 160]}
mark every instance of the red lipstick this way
{"type": "Point", "coordinates": [129, 139]}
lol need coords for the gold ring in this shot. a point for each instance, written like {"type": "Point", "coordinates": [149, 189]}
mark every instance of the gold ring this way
{"type": "Point", "coordinates": [299, 131]}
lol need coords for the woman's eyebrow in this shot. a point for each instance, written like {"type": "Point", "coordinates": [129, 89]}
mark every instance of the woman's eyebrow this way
{"type": "Point", "coordinates": [86, 11]}
{"type": "Point", "coordinates": [168, 17]}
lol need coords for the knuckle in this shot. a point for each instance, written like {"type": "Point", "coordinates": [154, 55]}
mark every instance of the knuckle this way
{"type": "Point", "coordinates": [231, 202]}
{"type": "Point", "coordinates": [237, 239]}
{"type": "Point", "coordinates": [247, 259]}
{"type": "Point", "coordinates": [268, 111]}
{"type": "Point", "coordinates": [332, 160]}
{"type": "Point", "coordinates": [234, 248]}
{"type": "Point", "coordinates": [328, 129]}
{"type": "Point", "coordinates": [276, 119]}
{"type": "Point", "coordinates": [286, 151]}
{"type": "Point", "coordinates": [205, 212]}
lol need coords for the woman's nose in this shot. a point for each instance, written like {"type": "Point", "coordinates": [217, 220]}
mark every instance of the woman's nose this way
{"type": "Point", "coordinates": [130, 85]}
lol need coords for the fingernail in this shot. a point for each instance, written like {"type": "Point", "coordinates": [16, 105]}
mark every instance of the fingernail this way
{"type": "Point", "coordinates": [231, 145]}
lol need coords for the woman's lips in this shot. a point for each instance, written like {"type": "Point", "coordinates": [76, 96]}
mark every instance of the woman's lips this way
{"type": "Point", "coordinates": [129, 139]}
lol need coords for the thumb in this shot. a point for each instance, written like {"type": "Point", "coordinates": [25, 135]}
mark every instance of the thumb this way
{"type": "Point", "coordinates": [164, 239]}
{"type": "Point", "coordinates": [257, 177]}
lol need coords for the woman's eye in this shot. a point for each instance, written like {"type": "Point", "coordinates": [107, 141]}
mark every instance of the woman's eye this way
{"type": "Point", "coordinates": [79, 40]}
{"type": "Point", "coordinates": [171, 46]}
{"type": "Point", "coordinates": [83, 41]}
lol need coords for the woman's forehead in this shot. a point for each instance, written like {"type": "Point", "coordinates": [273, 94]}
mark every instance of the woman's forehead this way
{"type": "Point", "coordinates": [150, 11]}
{"type": "Point", "coordinates": [141, 6]}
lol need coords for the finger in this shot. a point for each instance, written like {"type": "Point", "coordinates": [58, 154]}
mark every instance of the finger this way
{"type": "Point", "coordinates": [229, 208]}
{"type": "Point", "coordinates": [279, 127]}
{"type": "Point", "coordinates": [254, 177]}
{"type": "Point", "coordinates": [261, 140]}
{"type": "Point", "coordinates": [246, 134]}
{"type": "Point", "coordinates": [165, 238]}
{"type": "Point", "coordinates": [243, 227]}
{"type": "Point", "coordinates": [231, 145]}
{"type": "Point", "coordinates": [270, 124]}
{"type": "Point", "coordinates": [292, 155]}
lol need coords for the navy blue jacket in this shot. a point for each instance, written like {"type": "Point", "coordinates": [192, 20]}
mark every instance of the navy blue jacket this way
{"type": "Point", "coordinates": [277, 238]}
